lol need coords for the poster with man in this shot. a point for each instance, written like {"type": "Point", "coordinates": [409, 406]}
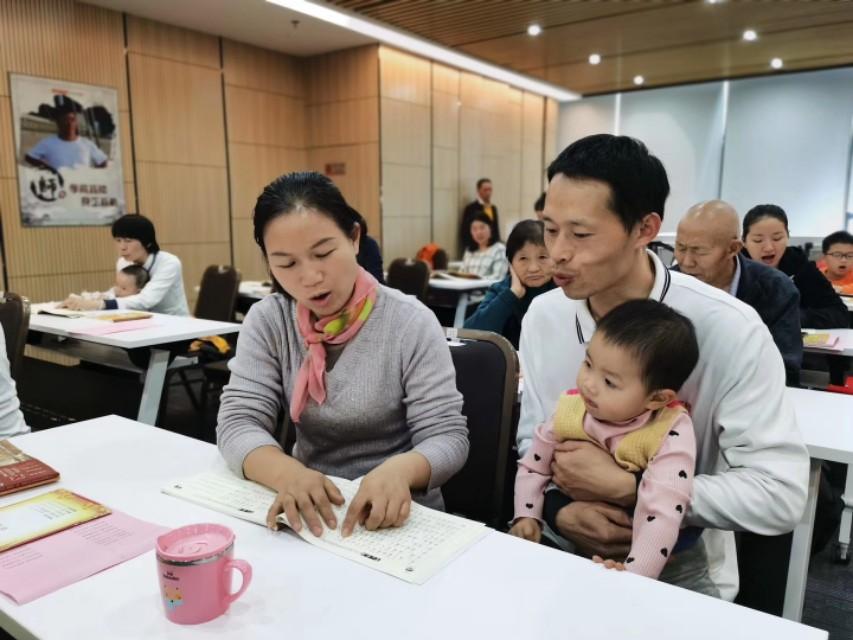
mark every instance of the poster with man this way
{"type": "Point", "coordinates": [68, 152]}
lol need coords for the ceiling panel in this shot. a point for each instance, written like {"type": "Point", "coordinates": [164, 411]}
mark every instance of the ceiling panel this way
{"type": "Point", "coordinates": [666, 41]}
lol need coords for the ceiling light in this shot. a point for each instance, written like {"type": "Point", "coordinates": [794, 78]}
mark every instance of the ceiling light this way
{"type": "Point", "coordinates": [594, 58]}
{"type": "Point", "coordinates": [638, 80]}
{"type": "Point", "coordinates": [749, 35]}
{"type": "Point", "coordinates": [534, 30]}
{"type": "Point", "coordinates": [776, 63]}
{"type": "Point", "coordinates": [714, 1]}
{"type": "Point", "coordinates": [424, 48]}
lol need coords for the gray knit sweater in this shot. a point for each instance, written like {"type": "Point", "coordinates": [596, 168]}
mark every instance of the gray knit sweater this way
{"type": "Point", "coordinates": [392, 389]}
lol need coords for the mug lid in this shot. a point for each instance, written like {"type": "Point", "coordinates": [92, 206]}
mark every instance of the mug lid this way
{"type": "Point", "coordinates": [194, 542]}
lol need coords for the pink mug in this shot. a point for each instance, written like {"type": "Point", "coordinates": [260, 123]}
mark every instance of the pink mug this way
{"type": "Point", "coordinates": [195, 566]}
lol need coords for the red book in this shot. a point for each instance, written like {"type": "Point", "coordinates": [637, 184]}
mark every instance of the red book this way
{"type": "Point", "coordinates": [18, 471]}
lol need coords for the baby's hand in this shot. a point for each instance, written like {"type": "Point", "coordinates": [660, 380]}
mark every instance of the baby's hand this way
{"type": "Point", "coordinates": [527, 528]}
{"type": "Point", "coordinates": [609, 564]}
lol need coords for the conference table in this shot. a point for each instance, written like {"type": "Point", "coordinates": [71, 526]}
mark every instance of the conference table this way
{"type": "Point", "coordinates": [826, 422]}
{"type": "Point", "coordinates": [501, 587]}
{"type": "Point", "coordinates": [844, 347]}
{"type": "Point", "coordinates": [159, 336]}
{"type": "Point", "coordinates": [465, 288]}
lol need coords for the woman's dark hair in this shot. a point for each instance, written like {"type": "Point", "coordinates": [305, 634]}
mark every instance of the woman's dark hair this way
{"type": "Point", "coordinates": [662, 339]}
{"type": "Point", "coordinates": [481, 217]}
{"type": "Point", "coordinates": [137, 227]}
{"type": "Point", "coordinates": [637, 179]}
{"type": "Point", "coordinates": [761, 211]}
{"type": "Point", "coordinates": [532, 231]}
{"type": "Point", "coordinates": [303, 190]}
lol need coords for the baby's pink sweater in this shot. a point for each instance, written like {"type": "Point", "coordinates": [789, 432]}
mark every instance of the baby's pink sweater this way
{"type": "Point", "coordinates": [662, 498]}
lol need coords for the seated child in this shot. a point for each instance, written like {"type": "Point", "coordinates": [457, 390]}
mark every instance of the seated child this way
{"type": "Point", "coordinates": [837, 263]}
{"type": "Point", "coordinates": [625, 402]}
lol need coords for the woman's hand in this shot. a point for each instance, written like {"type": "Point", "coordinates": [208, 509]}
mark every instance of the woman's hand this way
{"type": "Point", "coordinates": [516, 286]}
{"type": "Point", "coordinates": [305, 493]}
{"type": "Point", "coordinates": [77, 303]}
{"type": "Point", "coordinates": [384, 498]}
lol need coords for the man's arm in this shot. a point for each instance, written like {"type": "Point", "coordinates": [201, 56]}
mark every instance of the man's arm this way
{"type": "Point", "coordinates": [763, 485]}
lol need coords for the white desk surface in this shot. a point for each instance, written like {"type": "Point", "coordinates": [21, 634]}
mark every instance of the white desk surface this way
{"type": "Point", "coordinates": [845, 341]}
{"type": "Point", "coordinates": [826, 422]}
{"type": "Point", "coordinates": [502, 587]}
{"type": "Point", "coordinates": [167, 329]}
{"type": "Point", "coordinates": [254, 289]}
{"type": "Point", "coordinates": [460, 284]}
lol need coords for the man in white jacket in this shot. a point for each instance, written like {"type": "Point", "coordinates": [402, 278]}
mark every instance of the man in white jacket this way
{"type": "Point", "coordinates": [604, 204]}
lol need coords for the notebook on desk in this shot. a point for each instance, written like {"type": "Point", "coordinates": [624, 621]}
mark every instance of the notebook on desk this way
{"type": "Point", "coordinates": [415, 552]}
{"type": "Point", "coordinates": [454, 275]}
{"type": "Point", "coordinates": [825, 341]}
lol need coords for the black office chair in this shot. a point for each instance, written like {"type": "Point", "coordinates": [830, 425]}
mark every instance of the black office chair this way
{"type": "Point", "coordinates": [487, 377]}
{"type": "Point", "coordinates": [440, 260]}
{"type": "Point", "coordinates": [409, 276]}
{"type": "Point", "coordinates": [662, 250]}
{"type": "Point", "coordinates": [15, 319]}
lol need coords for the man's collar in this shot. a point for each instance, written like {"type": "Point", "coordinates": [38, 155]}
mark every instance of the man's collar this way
{"type": "Point", "coordinates": [585, 322]}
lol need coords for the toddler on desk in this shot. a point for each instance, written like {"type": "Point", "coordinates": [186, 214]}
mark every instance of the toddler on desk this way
{"type": "Point", "coordinates": [625, 402]}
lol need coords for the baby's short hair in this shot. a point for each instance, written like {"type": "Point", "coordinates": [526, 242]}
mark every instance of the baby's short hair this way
{"type": "Point", "coordinates": [138, 273]}
{"type": "Point", "coordinates": [662, 339]}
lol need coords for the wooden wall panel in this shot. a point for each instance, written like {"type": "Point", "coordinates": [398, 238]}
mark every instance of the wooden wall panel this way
{"type": "Point", "coordinates": [253, 68]}
{"type": "Point", "coordinates": [404, 77]}
{"type": "Point", "coordinates": [186, 203]}
{"type": "Point", "coordinates": [267, 135]}
{"type": "Point", "coordinates": [552, 114]}
{"type": "Point", "coordinates": [172, 43]}
{"type": "Point", "coordinates": [360, 183]}
{"type": "Point", "coordinates": [404, 236]}
{"type": "Point", "coordinates": [532, 171]}
{"type": "Point", "coordinates": [406, 133]}
{"type": "Point", "coordinates": [79, 43]}
{"type": "Point", "coordinates": [185, 128]}
{"type": "Point", "coordinates": [445, 79]}
{"type": "Point", "coordinates": [340, 123]}
{"type": "Point", "coordinates": [343, 115]}
{"type": "Point", "coordinates": [343, 75]}
{"type": "Point", "coordinates": [179, 136]}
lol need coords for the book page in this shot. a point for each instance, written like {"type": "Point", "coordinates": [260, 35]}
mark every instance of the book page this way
{"type": "Point", "coordinates": [415, 552]}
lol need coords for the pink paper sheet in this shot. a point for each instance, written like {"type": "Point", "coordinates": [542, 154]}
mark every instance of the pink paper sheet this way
{"type": "Point", "coordinates": [106, 328]}
{"type": "Point", "coordinates": [43, 566]}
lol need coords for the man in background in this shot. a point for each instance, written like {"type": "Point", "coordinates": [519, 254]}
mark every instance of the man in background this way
{"type": "Point", "coordinates": [483, 204]}
{"type": "Point", "coordinates": [708, 247]}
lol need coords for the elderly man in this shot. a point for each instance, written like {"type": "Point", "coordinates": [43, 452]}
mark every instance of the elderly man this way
{"type": "Point", "coordinates": [708, 246]}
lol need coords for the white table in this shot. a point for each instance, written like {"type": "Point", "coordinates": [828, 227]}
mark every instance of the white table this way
{"type": "Point", "coordinates": [845, 342]}
{"type": "Point", "coordinates": [465, 287]}
{"type": "Point", "coordinates": [167, 330]}
{"type": "Point", "coordinates": [254, 289]}
{"type": "Point", "coordinates": [502, 587]}
{"type": "Point", "coordinates": [826, 422]}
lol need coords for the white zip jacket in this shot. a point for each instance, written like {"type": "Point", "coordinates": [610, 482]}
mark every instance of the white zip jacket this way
{"type": "Point", "coordinates": [751, 465]}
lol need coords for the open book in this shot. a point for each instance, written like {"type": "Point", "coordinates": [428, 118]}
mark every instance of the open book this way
{"type": "Point", "coordinates": [825, 341]}
{"type": "Point", "coordinates": [415, 552]}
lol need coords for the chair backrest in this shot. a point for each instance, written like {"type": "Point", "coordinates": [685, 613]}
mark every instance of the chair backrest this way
{"type": "Point", "coordinates": [665, 252]}
{"type": "Point", "coordinates": [217, 295]}
{"type": "Point", "coordinates": [440, 260]}
{"type": "Point", "coordinates": [487, 377]}
{"type": "Point", "coordinates": [15, 320]}
{"type": "Point", "coordinates": [409, 276]}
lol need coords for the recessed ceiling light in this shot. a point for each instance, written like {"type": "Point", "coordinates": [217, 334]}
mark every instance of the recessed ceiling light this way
{"type": "Point", "coordinates": [594, 58]}
{"type": "Point", "coordinates": [777, 63]}
{"type": "Point", "coordinates": [534, 30]}
{"type": "Point", "coordinates": [749, 35]}
{"type": "Point", "coordinates": [714, 1]}
{"type": "Point", "coordinates": [638, 80]}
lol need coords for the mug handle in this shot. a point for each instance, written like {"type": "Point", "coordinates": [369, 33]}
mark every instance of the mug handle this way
{"type": "Point", "coordinates": [246, 570]}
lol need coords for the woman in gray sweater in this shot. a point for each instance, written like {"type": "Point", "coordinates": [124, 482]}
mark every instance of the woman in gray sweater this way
{"type": "Point", "coordinates": [364, 371]}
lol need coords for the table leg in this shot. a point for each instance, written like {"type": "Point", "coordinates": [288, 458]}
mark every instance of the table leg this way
{"type": "Point", "coordinates": [461, 308]}
{"type": "Point", "coordinates": [798, 567]}
{"type": "Point", "coordinates": [846, 517]}
{"type": "Point", "coordinates": [155, 377]}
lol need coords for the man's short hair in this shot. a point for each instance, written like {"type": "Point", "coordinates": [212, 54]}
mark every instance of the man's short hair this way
{"type": "Point", "coordinates": [839, 237]}
{"type": "Point", "coordinates": [139, 274]}
{"type": "Point", "coordinates": [481, 182]}
{"type": "Point", "coordinates": [663, 341]}
{"type": "Point", "coordinates": [539, 205]}
{"type": "Point", "coordinates": [637, 179]}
